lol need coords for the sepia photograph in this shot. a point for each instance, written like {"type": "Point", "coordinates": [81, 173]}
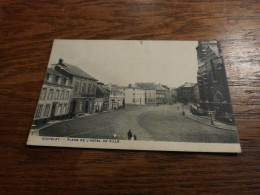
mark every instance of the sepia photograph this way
{"type": "Point", "coordinates": [136, 95]}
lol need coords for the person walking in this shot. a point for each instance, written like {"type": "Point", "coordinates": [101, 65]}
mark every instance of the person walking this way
{"type": "Point", "coordinates": [129, 134]}
{"type": "Point", "coordinates": [135, 138]}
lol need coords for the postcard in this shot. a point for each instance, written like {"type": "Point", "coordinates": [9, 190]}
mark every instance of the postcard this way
{"type": "Point", "coordinates": [136, 95]}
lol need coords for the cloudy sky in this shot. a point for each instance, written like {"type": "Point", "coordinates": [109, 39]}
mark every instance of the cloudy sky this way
{"type": "Point", "coordinates": [123, 62]}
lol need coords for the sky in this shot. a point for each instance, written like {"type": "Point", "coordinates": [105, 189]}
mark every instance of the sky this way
{"type": "Point", "coordinates": [123, 62]}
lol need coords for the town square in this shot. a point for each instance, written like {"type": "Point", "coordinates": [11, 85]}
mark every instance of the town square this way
{"type": "Point", "coordinates": [157, 123]}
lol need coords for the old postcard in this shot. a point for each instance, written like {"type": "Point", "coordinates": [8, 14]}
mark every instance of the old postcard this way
{"type": "Point", "coordinates": [137, 95]}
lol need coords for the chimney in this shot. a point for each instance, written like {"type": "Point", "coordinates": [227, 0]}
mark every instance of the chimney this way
{"type": "Point", "coordinates": [60, 61]}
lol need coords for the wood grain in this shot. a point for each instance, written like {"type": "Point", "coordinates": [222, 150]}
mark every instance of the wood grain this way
{"type": "Point", "coordinates": [26, 34]}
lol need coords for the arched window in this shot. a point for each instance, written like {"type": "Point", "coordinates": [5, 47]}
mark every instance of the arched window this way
{"type": "Point", "coordinates": [213, 71]}
{"type": "Point", "coordinates": [218, 97]}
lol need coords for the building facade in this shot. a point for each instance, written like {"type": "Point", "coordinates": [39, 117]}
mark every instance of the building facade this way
{"type": "Point", "coordinates": [173, 92]}
{"type": "Point", "coordinates": [162, 94]}
{"type": "Point", "coordinates": [212, 80]}
{"type": "Point", "coordinates": [150, 92]}
{"type": "Point", "coordinates": [102, 98]}
{"type": "Point", "coordinates": [84, 88]}
{"type": "Point", "coordinates": [196, 94]}
{"type": "Point", "coordinates": [116, 96]}
{"type": "Point", "coordinates": [54, 100]}
{"type": "Point", "coordinates": [134, 95]}
{"type": "Point", "coordinates": [188, 93]}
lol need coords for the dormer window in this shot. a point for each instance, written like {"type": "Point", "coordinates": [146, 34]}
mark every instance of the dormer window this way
{"type": "Point", "coordinates": [56, 79]}
{"type": "Point", "coordinates": [48, 77]}
{"type": "Point", "coordinates": [59, 80]}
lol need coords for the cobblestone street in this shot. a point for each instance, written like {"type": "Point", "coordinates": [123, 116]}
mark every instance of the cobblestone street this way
{"type": "Point", "coordinates": [150, 122]}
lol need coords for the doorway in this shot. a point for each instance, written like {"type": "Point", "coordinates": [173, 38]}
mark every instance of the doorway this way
{"type": "Point", "coordinates": [53, 111]}
{"type": "Point", "coordinates": [87, 107]}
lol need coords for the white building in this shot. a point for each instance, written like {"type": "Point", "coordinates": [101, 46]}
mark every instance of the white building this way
{"type": "Point", "coordinates": [150, 92]}
{"type": "Point", "coordinates": [134, 95]}
{"type": "Point", "coordinates": [116, 96]}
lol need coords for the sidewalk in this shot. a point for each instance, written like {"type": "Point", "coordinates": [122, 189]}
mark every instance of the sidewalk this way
{"type": "Point", "coordinates": [36, 129]}
{"type": "Point", "coordinates": [207, 121]}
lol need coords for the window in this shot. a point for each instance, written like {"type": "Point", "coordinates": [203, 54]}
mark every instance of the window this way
{"type": "Point", "coordinates": [80, 106]}
{"type": "Point", "coordinates": [82, 89]}
{"type": "Point", "coordinates": [67, 95]}
{"type": "Point", "coordinates": [89, 88]}
{"type": "Point", "coordinates": [59, 109]}
{"type": "Point", "coordinates": [57, 94]}
{"type": "Point", "coordinates": [93, 89]}
{"type": "Point", "coordinates": [48, 77]}
{"type": "Point", "coordinates": [50, 94]}
{"type": "Point", "coordinates": [38, 111]}
{"type": "Point", "coordinates": [47, 110]}
{"type": "Point", "coordinates": [133, 99]}
{"type": "Point", "coordinates": [76, 85]}
{"type": "Point", "coordinates": [213, 71]}
{"type": "Point", "coordinates": [67, 82]}
{"type": "Point", "coordinates": [57, 79]}
{"type": "Point", "coordinates": [62, 95]}
{"type": "Point", "coordinates": [43, 94]}
{"type": "Point", "coordinates": [65, 108]}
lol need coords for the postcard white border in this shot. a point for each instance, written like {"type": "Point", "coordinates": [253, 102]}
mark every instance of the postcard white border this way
{"type": "Point", "coordinates": [36, 140]}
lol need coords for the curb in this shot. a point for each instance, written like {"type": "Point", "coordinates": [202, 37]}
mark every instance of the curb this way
{"type": "Point", "coordinates": [209, 124]}
{"type": "Point", "coordinates": [215, 120]}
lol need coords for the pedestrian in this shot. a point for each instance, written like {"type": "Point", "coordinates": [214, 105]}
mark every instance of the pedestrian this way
{"type": "Point", "coordinates": [135, 138]}
{"type": "Point", "coordinates": [129, 134]}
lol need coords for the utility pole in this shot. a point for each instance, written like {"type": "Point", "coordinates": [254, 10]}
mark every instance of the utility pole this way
{"type": "Point", "coordinates": [183, 112]}
{"type": "Point", "coordinates": [165, 111]}
{"type": "Point", "coordinates": [110, 100]}
{"type": "Point", "coordinates": [140, 104]}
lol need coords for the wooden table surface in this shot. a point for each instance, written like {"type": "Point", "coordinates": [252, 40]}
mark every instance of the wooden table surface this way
{"type": "Point", "coordinates": [27, 29]}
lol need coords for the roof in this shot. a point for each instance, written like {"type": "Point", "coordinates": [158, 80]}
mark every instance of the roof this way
{"type": "Point", "coordinates": [132, 86]}
{"type": "Point", "coordinates": [112, 88]}
{"type": "Point", "coordinates": [54, 72]}
{"type": "Point", "coordinates": [189, 85]}
{"type": "Point", "coordinates": [146, 86]}
{"type": "Point", "coordinates": [215, 50]}
{"type": "Point", "coordinates": [102, 89]}
{"type": "Point", "coordinates": [159, 87]}
{"type": "Point", "coordinates": [76, 71]}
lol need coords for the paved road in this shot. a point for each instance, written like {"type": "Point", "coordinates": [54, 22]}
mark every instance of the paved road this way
{"type": "Point", "coordinates": [158, 123]}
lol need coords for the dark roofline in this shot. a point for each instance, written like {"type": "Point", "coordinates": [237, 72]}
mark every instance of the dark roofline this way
{"type": "Point", "coordinates": [74, 72]}
{"type": "Point", "coordinates": [54, 72]}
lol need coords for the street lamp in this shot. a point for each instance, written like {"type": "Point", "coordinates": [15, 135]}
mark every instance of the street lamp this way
{"type": "Point", "coordinates": [183, 112]}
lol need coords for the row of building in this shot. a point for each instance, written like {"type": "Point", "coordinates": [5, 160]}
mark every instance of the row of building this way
{"type": "Point", "coordinates": [188, 92]}
{"type": "Point", "coordinates": [68, 91]}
